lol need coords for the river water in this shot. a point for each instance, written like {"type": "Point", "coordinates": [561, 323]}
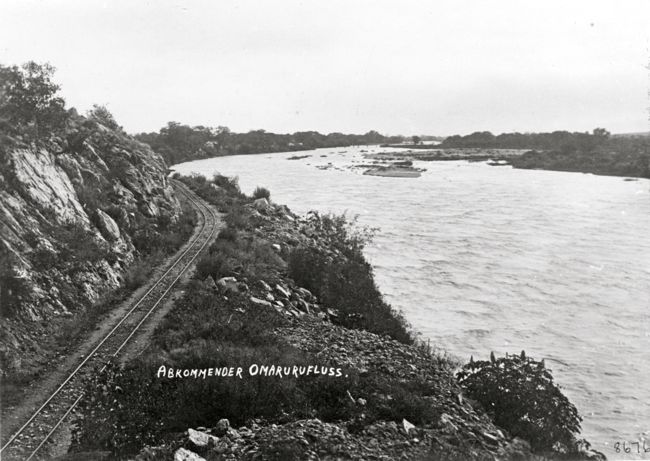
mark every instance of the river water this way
{"type": "Point", "coordinates": [483, 258]}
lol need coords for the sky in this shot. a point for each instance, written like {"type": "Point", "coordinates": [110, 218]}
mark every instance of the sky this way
{"type": "Point", "coordinates": [398, 67]}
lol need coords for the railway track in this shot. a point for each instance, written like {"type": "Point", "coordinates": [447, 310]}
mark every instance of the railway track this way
{"type": "Point", "coordinates": [30, 441]}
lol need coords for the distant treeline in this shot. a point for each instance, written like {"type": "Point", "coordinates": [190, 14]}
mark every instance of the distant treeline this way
{"type": "Point", "coordinates": [178, 143]}
{"type": "Point", "coordinates": [563, 141]}
{"type": "Point", "coordinates": [596, 152]}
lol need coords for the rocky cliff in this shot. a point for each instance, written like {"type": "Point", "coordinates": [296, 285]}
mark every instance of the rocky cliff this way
{"type": "Point", "coordinates": [71, 212]}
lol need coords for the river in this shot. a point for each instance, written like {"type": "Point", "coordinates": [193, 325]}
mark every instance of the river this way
{"type": "Point", "coordinates": [487, 258]}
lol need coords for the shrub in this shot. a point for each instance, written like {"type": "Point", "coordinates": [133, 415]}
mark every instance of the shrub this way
{"type": "Point", "coordinates": [78, 246]}
{"type": "Point", "coordinates": [252, 258]}
{"type": "Point", "coordinates": [137, 275]}
{"type": "Point", "coordinates": [227, 233]}
{"type": "Point", "coordinates": [520, 395]}
{"type": "Point", "coordinates": [347, 284]}
{"type": "Point", "coordinates": [261, 192]}
{"type": "Point", "coordinates": [13, 291]}
{"type": "Point", "coordinates": [166, 236]}
{"type": "Point", "coordinates": [229, 184]}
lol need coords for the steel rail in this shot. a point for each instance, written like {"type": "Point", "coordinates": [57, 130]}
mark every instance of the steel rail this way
{"type": "Point", "coordinates": [206, 213]}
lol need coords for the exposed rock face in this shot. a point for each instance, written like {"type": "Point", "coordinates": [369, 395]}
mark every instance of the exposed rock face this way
{"type": "Point", "coordinates": [67, 218]}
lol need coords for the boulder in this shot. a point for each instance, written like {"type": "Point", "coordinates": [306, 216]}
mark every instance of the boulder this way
{"type": "Point", "coordinates": [107, 226]}
{"type": "Point", "coordinates": [305, 293]}
{"type": "Point", "coordinates": [261, 204]}
{"type": "Point", "coordinates": [200, 439]}
{"type": "Point", "coordinates": [407, 426]}
{"type": "Point", "coordinates": [228, 284]}
{"type": "Point", "coordinates": [183, 454]}
{"type": "Point", "coordinates": [209, 281]}
{"type": "Point", "coordinates": [222, 427]}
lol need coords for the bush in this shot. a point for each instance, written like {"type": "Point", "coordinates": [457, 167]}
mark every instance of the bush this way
{"type": "Point", "coordinates": [78, 246]}
{"type": "Point", "coordinates": [165, 236]}
{"type": "Point", "coordinates": [347, 284]}
{"type": "Point", "coordinates": [520, 395]}
{"type": "Point", "coordinates": [252, 258]}
{"type": "Point", "coordinates": [229, 184]}
{"type": "Point", "coordinates": [137, 275]}
{"type": "Point", "coordinates": [228, 233]}
{"type": "Point", "coordinates": [261, 192]}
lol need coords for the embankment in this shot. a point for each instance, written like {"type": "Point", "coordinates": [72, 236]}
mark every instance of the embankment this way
{"type": "Point", "coordinates": [283, 348]}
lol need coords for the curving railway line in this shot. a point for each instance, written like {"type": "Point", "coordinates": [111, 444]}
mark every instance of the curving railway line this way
{"type": "Point", "coordinates": [30, 441]}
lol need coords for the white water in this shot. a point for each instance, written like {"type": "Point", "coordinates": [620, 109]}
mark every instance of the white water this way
{"type": "Point", "coordinates": [484, 258]}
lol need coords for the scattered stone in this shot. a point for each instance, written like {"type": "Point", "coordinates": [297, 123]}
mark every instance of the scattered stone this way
{"type": "Point", "coordinates": [283, 291]}
{"type": "Point", "coordinates": [407, 426]}
{"type": "Point", "coordinates": [261, 302]}
{"type": "Point", "coordinates": [265, 285]}
{"type": "Point", "coordinates": [303, 306]}
{"type": "Point", "coordinates": [305, 293]}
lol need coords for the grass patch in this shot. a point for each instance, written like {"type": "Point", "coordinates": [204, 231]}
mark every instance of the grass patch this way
{"type": "Point", "coordinates": [261, 192]}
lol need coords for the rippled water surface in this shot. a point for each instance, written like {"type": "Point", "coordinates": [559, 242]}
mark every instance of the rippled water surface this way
{"type": "Point", "coordinates": [484, 258]}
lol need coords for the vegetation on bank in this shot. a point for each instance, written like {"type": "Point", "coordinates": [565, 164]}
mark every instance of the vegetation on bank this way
{"type": "Point", "coordinates": [597, 152]}
{"type": "Point", "coordinates": [205, 329]}
{"type": "Point", "coordinates": [227, 318]}
{"type": "Point", "coordinates": [178, 143]}
{"type": "Point", "coordinates": [520, 395]}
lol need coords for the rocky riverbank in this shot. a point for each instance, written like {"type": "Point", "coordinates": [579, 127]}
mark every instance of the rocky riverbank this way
{"type": "Point", "coordinates": [321, 367]}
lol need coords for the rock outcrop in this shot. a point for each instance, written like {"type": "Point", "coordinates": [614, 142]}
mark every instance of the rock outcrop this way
{"type": "Point", "coordinates": [68, 215]}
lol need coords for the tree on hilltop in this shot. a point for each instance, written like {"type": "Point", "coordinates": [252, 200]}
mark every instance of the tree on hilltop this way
{"type": "Point", "coordinates": [29, 103]}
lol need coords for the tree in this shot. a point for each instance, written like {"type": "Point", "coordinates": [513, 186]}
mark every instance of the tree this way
{"type": "Point", "coordinates": [601, 133]}
{"type": "Point", "coordinates": [417, 140]}
{"type": "Point", "coordinates": [28, 100]}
